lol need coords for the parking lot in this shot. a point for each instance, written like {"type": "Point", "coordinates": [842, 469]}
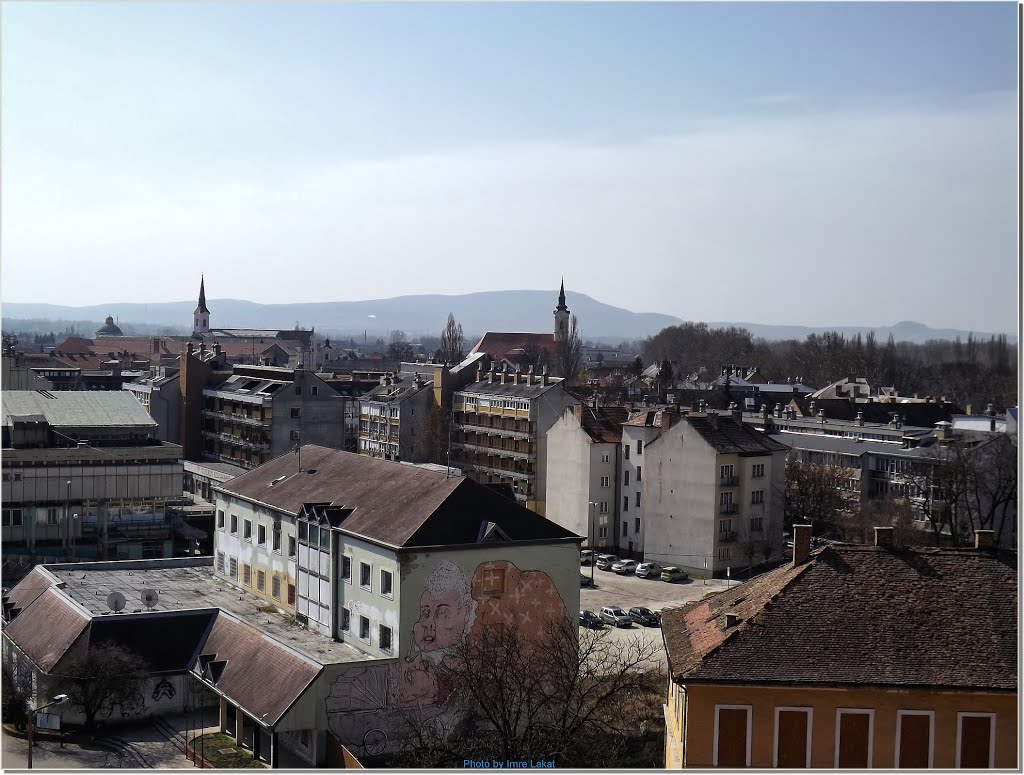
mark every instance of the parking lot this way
{"type": "Point", "coordinates": [627, 591]}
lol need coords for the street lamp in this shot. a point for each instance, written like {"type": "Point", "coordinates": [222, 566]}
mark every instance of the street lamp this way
{"type": "Point", "coordinates": [67, 508]}
{"type": "Point", "coordinates": [69, 536]}
{"type": "Point", "coordinates": [59, 699]}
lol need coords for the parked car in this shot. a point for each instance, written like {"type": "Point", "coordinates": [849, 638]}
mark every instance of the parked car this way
{"type": "Point", "coordinates": [647, 569]}
{"type": "Point", "coordinates": [606, 561]}
{"type": "Point", "coordinates": [672, 573]}
{"type": "Point", "coordinates": [586, 557]}
{"type": "Point", "coordinates": [624, 566]}
{"type": "Point", "coordinates": [615, 615]}
{"type": "Point", "coordinates": [644, 616]}
{"type": "Point", "coordinates": [590, 620]}
{"type": "Point", "coordinates": [584, 580]}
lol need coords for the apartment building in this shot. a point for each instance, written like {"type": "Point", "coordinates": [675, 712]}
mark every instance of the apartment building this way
{"type": "Point", "coordinates": [712, 492]}
{"type": "Point", "coordinates": [641, 428]}
{"type": "Point", "coordinates": [392, 417]}
{"type": "Point", "coordinates": [159, 392]}
{"type": "Point", "coordinates": [841, 659]}
{"type": "Point", "coordinates": [84, 476]}
{"type": "Point", "coordinates": [499, 430]}
{"type": "Point", "coordinates": [259, 412]}
{"type": "Point", "coordinates": [584, 459]}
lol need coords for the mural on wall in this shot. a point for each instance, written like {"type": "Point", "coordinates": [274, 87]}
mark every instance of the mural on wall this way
{"type": "Point", "coordinates": [367, 704]}
{"type": "Point", "coordinates": [164, 689]}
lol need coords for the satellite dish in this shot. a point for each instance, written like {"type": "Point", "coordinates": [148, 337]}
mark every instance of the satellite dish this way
{"type": "Point", "coordinates": [149, 597]}
{"type": "Point", "coordinates": [115, 601]}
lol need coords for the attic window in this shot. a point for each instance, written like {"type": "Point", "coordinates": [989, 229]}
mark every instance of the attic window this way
{"type": "Point", "coordinates": [279, 479]}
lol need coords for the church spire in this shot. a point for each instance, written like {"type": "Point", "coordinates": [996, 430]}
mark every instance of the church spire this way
{"type": "Point", "coordinates": [561, 296]}
{"type": "Point", "coordinates": [202, 296]}
{"type": "Point", "coordinates": [561, 315]}
{"type": "Point", "coordinates": [201, 317]}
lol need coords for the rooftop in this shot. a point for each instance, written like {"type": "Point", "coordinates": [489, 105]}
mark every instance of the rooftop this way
{"type": "Point", "coordinates": [509, 389]}
{"type": "Point", "coordinates": [78, 408]}
{"type": "Point", "coordinates": [728, 435]}
{"type": "Point", "coordinates": [861, 615]}
{"type": "Point", "coordinates": [194, 586]}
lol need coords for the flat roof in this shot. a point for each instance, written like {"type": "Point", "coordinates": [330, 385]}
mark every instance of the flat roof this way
{"type": "Point", "coordinates": [82, 408]}
{"type": "Point", "coordinates": [186, 585]}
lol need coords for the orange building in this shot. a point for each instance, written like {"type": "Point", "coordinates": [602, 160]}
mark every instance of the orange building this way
{"type": "Point", "coordinates": [851, 656]}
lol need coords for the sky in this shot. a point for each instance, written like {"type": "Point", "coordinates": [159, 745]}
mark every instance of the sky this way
{"type": "Point", "coordinates": [811, 164]}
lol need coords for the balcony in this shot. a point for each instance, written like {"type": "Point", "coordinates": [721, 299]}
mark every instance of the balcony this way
{"type": "Point", "coordinates": [727, 537]}
{"type": "Point", "coordinates": [487, 450]}
{"type": "Point", "coordinates": [469, 465]}
{"type": "Point", "coordinates": [238, 418]}
{"type": "Point", "coordinates": [492, 430]}
{"type": "Point", "coordinates": [727, 508]}
{"type": "Point", "coordinates": [727, 481]}
{"type": "Point", "coordinates": [235, 441]}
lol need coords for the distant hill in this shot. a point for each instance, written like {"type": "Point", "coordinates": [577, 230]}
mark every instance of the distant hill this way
{"type": "Point", "coordinates": [426, 315]}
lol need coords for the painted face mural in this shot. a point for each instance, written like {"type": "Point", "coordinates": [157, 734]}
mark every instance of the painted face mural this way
{"type": "Point", "coordinates": [446, 608]}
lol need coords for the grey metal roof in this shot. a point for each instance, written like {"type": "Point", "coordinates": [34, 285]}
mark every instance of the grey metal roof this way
{"type": "Point", "coordinates": [78, 408]}
{"type": "Point", "coordinates": [485, 388]}
{"type": "Point", "coordinates": [848, 446]}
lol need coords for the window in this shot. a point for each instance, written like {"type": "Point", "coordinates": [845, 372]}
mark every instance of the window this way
{"type": "Point", "coordinates": [758, 470]}
{"type": "Point", "coordinates": [275, 586]}
{"type": "Point", "coordinates": [756, 524]}
{"type": "Point", "coordinates": [724, 528]}
{"type": "Point", "coordinates": [261, 535]}
{"type": "Point", "coordinates": [725, 501]}
{"type": "Point", "coordinates": [261, 581]}
{"type": "Point", "coordinates": [625, 503]}
{"type": "Point", "coordinates": [725, 554]}
{"type": "Point", "coordinates": [639, 448]}
{"type": "Point", "coordinates": [914, 732]}
{"type": "Point", "coordinates": [639, 472]}
{"type": "Point", "coordinates": [792, 747]}
{"type": "Point", "coordinates": [364, 575]}
{"type": "Point", "coordinates": [385, 583]}
{"type": "Point", "coordinates": [364, 628]}
{"type": "Point", "coordinates": [298, 390]}
{"type": "Point", "coordinates": [384, 638]}
{"type": "Point", "coordinates": [247, 531]}
{"type": "Point", "coordinates": [12, 517]}
{"type": "Point", "coordinates": [294, 435]}
{"type": "Point", "coordinates": [731, 736]}
{"type": "Point", "coordinates": [291, 594]}
{"type": "Point", "coordinates": [625, 477]}
{"type": "Point", "coordinates": [976, 740]}
{"type": "Point", "coordinates": [604, 507]}
{"type": "Point", "coordinates": [604, 457]}
{"type": "Point", "coordinates": [277, 536]}
{"type": "Point", "coordinates": [220, 520]}
{"type": "Point", "coordinates": [233, 567]}
{"type": "Point", "coordinates": [346, 568]}
{"type": "Point", "coordinates": [726, 474]}
{"type": "Point", "coordinates": [638, 499]}
{"type": "Point", "coordinates": [247, 575]}
{"type": "Point", "coordinates": [854, 735]}
{"type": "Point", "coordinates": [625, 528]}
{"type": "Point", "coordinates": [52, 516]}
{"type": "Point", "coordinates": [757, 496]}
{"type": "Point", "coordinates": [234, 524]}
{"type": "Point", "coordinates": [636, 526]}
{"type": "Point", "coordinates": [346, 623]}
{"type": "Point", "coordinates": [314, 390]}
{"type": "Point", "coordinates": [605, 481]}
{"type": "Point", "coordinates": [625, 452]}
{"type": "Point", "coordinates": [602, 532]}
{"type": "Point", "coordinates": [294, 412]}
{"type": "Point", "coordinates": [291, 546]}
{"type": "Point", "coordinates": [220, 562]}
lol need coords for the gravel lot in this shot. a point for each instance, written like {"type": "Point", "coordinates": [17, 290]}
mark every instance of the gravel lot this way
{"type": "Point", "coordinates": [627, 591]}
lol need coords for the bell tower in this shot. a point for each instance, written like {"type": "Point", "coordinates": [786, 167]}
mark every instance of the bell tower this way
{"type": "Point", "coordinates": [201, 317]}
{"type": "Point", "coordinates": [561, 316]}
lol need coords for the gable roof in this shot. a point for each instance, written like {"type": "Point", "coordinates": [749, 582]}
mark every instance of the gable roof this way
{"type": "Point", "coordinates": [858, 615]}
{"type": "Point", "coordinates": [604, 424]}
{"type": "Point", "coordinates": [50, 629]}
{"type": "Point", "coordinates": [501, 344]}
{"type": "Point", "coordinates": [728, 436]}
{"type": "Point", "coordinates": [391, 503]}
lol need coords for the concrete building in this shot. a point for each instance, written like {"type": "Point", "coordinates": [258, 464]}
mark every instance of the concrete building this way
{"type": "Point", "coordinates": [392, 418]}
{"type": "Point", "coordinates": [584, 460]}
{"type": "Point", "coordinates": [159, 392]}
{"type": "Point", "coordinates": [641, 428]}
{"type": "Point", "coordinates": [259, 412]}
{"type": "Point", "coordinates": [499, 430]}
{"type": "Point", "coordinates": [84, 476]}
{"type": "Point", "coordinates": [861, 675]}
{"type": "Point", "coordinates": [712, 493]}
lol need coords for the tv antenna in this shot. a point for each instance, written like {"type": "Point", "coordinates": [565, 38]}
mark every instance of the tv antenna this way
{"type": "Point", "coordinates": [150, 598]}
{"type": "Point", "coordinates": [116, 602]}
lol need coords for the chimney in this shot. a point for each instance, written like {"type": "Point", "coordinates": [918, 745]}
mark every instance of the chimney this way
{"type": "Point", "coordinates": [544, 376]}
{"type": "Point", "coordinates": [764, 411]}
{"type": "Point", "coordinates": [984, 539]}
{"type": "Point", "coordinates": [504, 373]}
{"type": "Point", "coordinates": [801, 544]}
{"type": "Point", "coordinates": [821, 415]}
{"type": "Point", "coordinates": [860, 418]}
{"type": "Point", "coordinates": [884, 536]}
{"type": "Point", "coordinates": [810, 409]}
{"type": "Point", "coordinates": [479, 372]}
{"type": "Point", "coordinates": [895, 421]}
{"type": "Point", "coordinates": [713, 419]}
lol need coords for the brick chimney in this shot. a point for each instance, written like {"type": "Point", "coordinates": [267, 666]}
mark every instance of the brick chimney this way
{"type": "Point", "coordinates": [884, 536]}
{"type": "Point", "coordinates": [984, 539]}
{"type": "Point", "coordinates": [801, 544]}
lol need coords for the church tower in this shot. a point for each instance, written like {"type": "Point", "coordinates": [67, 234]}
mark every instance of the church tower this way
{"type": "Point", "coordinates": [201, 317]}
{"type": "Point", "coordinates": [561, 316]}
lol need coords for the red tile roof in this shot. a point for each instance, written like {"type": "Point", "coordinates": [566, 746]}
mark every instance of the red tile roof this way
{"type": "Point", "coordinates": [604, 424]}
{"type": "Point", "coordinates": [504, 344]}
{"type": "Point", "coordinates": [858, 615]}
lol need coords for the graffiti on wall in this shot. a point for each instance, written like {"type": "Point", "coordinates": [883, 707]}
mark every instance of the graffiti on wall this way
{"type": "Point", "coordinates": [367, 705]}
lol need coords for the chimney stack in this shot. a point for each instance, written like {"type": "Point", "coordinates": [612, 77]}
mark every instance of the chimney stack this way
{"type": "Point", "coordinates": [860, 418]}
{"type": "Point", "coordinates": [984, 539]}
{"type": "Point", "coordinates": [801, 544]}
{"type": "Point", "coordinates": [884, 536]}
{"type": "Point", "coordinates": [736, 412]}
{"type": "Point", "coordinates": [544, 377]}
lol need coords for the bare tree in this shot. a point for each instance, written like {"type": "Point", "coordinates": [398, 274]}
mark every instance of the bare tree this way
{"type": "Point", "coordinates": [569, 355]}
{"type": "Point", "coordinates": [451, 350]}
{"type": "Point", "coordinates": [399, 347]}
{"type": "Point", "coordinates": [814, 495]}
{"type": "Point", "coordinates": [533, 357]}
{"type": "Point", "coordinates": [560, 697]}
{"type": "Point", "coordinates": [102, 676]}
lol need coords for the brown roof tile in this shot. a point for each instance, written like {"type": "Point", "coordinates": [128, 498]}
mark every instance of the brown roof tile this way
{"type": "Point", "coordinates": [605, 423]}
{"type": "Point", "coordinates": [859, 615]}
{"type": "Point", "coordinates": [500, 344]}
{"type": "Point", "coordinates": [727, 436]}
{"type": "Point", "coordinates": [47, 628]}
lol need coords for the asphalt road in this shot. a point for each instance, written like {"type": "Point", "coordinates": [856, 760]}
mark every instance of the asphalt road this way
{"type": "Point", "coordinates": [627, 591]}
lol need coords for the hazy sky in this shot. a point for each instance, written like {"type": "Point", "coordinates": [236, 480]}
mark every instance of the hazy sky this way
{"type": "Point", "coordinates": [805, 164]}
